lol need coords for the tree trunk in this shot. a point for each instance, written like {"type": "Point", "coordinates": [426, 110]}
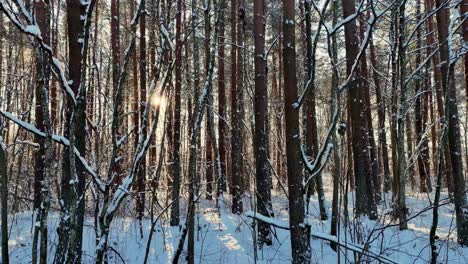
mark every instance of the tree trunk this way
{"type": "Point", "coordinates": [400, 178]}
{"type": "Point", "coordinates": [299, 237]}
{"type": "Point", "coordinates": [335, 106]}
{"type": "Point", "coordinates": [311, 114]}
{"type": "Point", "coordinates": [41, 180]}
{"type": "Point", "coordinates": [365, 202]}
{"type": "Point", "coordinates": [4, 193]}
{"type": "Point", "coordinates": [235, 122]}
{"type": "Point", "coordinates": [176, 129]}
{"type": "Point", "coordinates": [262, 166]}
{"type": "Point", "coordinates": [453, 124]}
{"type": "Point", "coordinates": [439, 93]}
{"type": "Point", "coordinates": [209, 144]}
{"type": "Point", "coordinates": [222, 120]}
{"type": "Point", "coordinates": [375, 169]}
{"type": "Point", "coordinates": [73, 172]}
{"type": "Point", "coordinates": [422, 151]}
{"type": "Point", "coordinates": [383, 151]}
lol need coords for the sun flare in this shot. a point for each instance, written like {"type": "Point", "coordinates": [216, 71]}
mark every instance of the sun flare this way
{"type": "Point", "coordinates": [159, 101]}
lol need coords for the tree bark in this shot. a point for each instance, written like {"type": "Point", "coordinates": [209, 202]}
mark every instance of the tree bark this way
{"type": "Point", "coordinates": [262, 166]}
{"type": "Point", "coordinates": [236, 157]}
{"type": "Point", "coordinates": [365, 202]}
{"type": "Point", "coordinates": [4, 194]}
{"type": "Point", "coordinates": [299, 237]}
{"type": "Point", "coordinates": [453, 124]}
{"type": "Point", "coordinates": [176, 129]}
{"type": "Point", "coordinates": [222, 105]}
{"type": "Point", "coordinates": [422, 153]}
{"type": "Point", "coordinates": [312, 140]}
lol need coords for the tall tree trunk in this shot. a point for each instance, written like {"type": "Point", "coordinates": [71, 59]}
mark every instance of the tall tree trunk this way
{"type": "Point", "coordinates": [382, 136]}
{"type": "Point", "coordinates": [422, 151]}
{"type": "Point", "coordinates": [262, 167]}
{"type": "Point", "coordinates": [401, 175]}
{"type": "Point", "coordinates": [222, 105]}
{"type": "Point", "coordinates": [439, 93]}
{"type": "Point", "coordinates": [4, 192]}
{"type": "Point", "coordinates": [140, 108]}
{"type": "Point", "coordinates": [73, 172]}
{"type": "Point", "coordinates": [41, 180]}
{"type": "Point", "coordinates": [453, 124]}
{"type": "Point", "coordinates": [365, 202]}
{"type": "Point", "coordinates": [235, 122]}
{"type": "Point", "coordinates": [335, 106]}
{"type": "Point", "coordinates": [115, 54]}
{"type": "Point", "coordinates": [375, 169]}
{"type": "Point", "coordinates": [176, 128]}
{"type": "Point", "coordinates": [311, 113]}
{"type": "Point", "coordinates": [464, 10]}
{"type": "Point", "coordinates": [3, 170]}
{"type": "Point", "coordinates": [209, 144]}
{"type": "Point", "coordinates": [299, 236]}
{"type": "Point", "coordinates": [194, 145]}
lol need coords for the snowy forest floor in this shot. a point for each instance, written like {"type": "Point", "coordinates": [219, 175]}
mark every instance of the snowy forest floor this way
{"type": "Point", "coordinates": [228, 238]}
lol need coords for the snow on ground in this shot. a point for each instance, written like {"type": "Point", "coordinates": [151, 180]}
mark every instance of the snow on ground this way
{"type": "Point", "coordinates": [227, 238]}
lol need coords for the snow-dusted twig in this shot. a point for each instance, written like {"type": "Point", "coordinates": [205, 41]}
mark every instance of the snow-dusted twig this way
{"type": "Point", "coordinates": [332, 239]}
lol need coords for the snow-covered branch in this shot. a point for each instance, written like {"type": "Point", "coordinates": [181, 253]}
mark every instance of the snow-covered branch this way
{"type": "Point", "coordinates": [32, 29]}
{"type": "Point", "coordinates": [332, 239]}
{"type": "Point", "coordinates": [58, 139]}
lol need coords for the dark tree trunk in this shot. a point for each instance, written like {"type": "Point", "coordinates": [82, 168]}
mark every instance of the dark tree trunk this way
{"type": "Point", "coordinates": [312, 140]}
{"type": "Point", "coordinates": [365, 202]}
{"type": "Point", "coordinates": [383, 150]}
{"type": "Point", "coordinates": [72, 193]}
{"type": "Point", "coordinates": [262, 167]}
{"type": "Point", "coordinates": [4, 192]}
{"type": "Point", "coordinates": [140, 108]}
{"type": "Point", "coordinates": [453, 124]}
{"type": "Point", "coordinates": [236, 168]}
{"type": "Point", "coordinates": [42, 84]}
{"type": "Point", "coordinates": [299, 235]}
{"type": "Point", "coordinates": [222, 121]}
{"type": "Point", "coordinates": [375, 169]}
{"type": "Point", "coordinates": [422, 153]}
{"type": "Point", "coordinates": [176, 128]}
{"type": "Point", "coordinates": [334, 106]}
{"type": "Point", "coordinates": [209, 144]}
{"type": "Point", "coordinates": [439, 93]}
